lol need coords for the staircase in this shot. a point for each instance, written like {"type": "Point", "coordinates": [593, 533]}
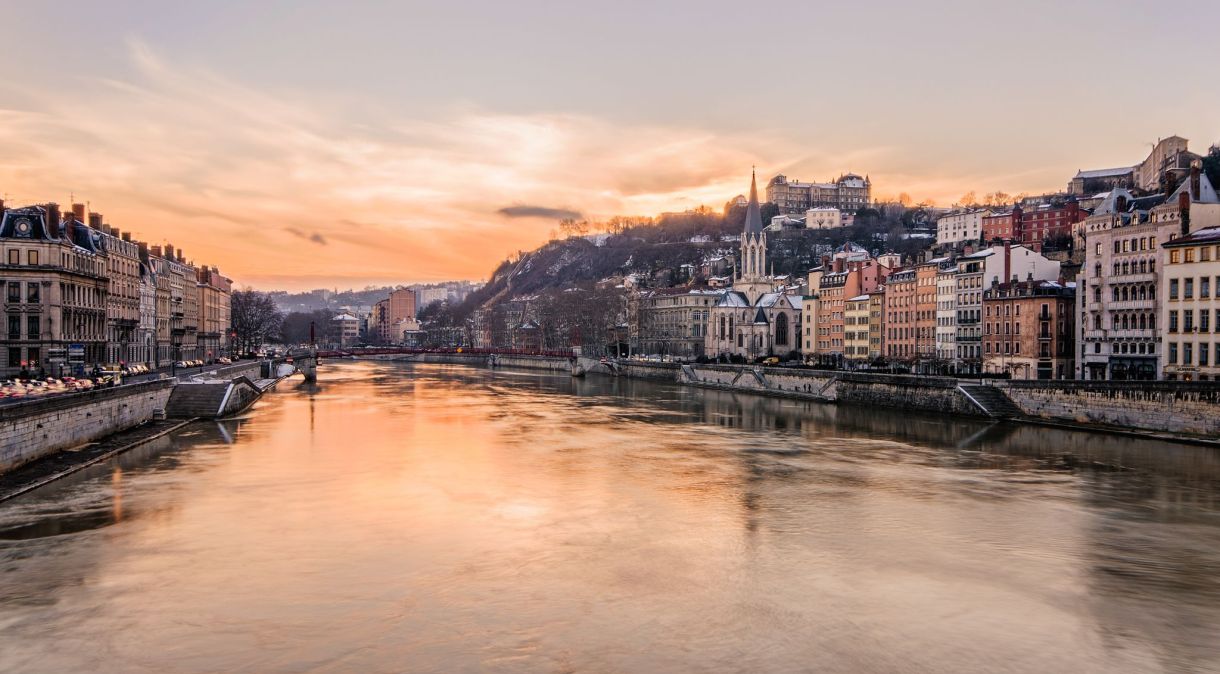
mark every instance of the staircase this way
{"type": "Point", "coordinates": [991, 401]}
{"type": "Point", "coordinates": [190, 399]}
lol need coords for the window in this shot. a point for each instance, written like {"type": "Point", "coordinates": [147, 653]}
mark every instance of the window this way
{"type": "Point", "coordinates": [1172, 357]}
{"type": "Point", "coordinates": [1173, 289]}
{"type": "Point", "coordinates": [1205, 287]}
{"type": "Point", "coordinates": [31, 327]}
{"type": "Point", "coordinates": [14, 257]}
{"type": "Point", "coordinates": [1188, 353]}
{"type": "Point", "coordinates": [1175, 256]}
{"type": "Point", "coordinates": [1188, 320]}
{"type": "Point", "coordinates": [1188, 289]}
{"type": "Point", "coordinates": [31, 257]}
{"type": "Point", "coordinates": [1203, 351]}
{"type": "Point", "coordinates": [1190, 256]}
{"type": "Point", "coordinates": [1205, 320]}
{"type": "Point", "coordinates": [14, 356]}
{"type": "Point", "coordinates": [1173, 321]}
{"type": "Point", "coordinates": [31, 293]}
{"type": "Point", "coordinates": [14, 327]}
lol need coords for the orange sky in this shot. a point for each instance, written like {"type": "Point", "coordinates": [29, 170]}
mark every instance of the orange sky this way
{"type": "Point", "coordinates": [335, 151]}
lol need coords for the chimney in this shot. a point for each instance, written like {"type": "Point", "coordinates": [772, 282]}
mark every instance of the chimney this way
{"type": "Point", "coordinates": [1007, 260]}
{"type": "Point", "coordinates": [156, 251]}
{"type": "Point", "coordinates": [169, 251]}
{"type": "Point", "coordinates": [78, 212]}
{"type": "Point", "coordinates": [127, 237]}
{"type": "Point", "coordinates": [143, 246]}
{"type": "Point", "coordinates": [1184, 212]}
{"type": "Point", "coordinates": [825, 262]}
{"type": "Point", "coordinates": [2, 209]}
{"type": "Point", "coordinates": [53, 220]}
{"type": "Point", "coordinates": [1195, 167]}
{"type": "Point", "coordinates": [838, 264]}
{"type": "Point", "coordinates": [181, 258]}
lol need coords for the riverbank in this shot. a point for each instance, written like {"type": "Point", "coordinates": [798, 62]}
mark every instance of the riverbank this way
{"type": "Point", "coordinates": [45, 470]}
{"type": "Point", "coordinates": [1183, 411]}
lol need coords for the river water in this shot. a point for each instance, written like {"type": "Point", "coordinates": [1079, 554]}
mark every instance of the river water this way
{"type": "Point", "coordinates": [426, 518]}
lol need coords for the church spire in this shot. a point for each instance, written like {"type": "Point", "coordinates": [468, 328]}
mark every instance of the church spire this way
{"type": "Point", "coordinates": [753, 213]}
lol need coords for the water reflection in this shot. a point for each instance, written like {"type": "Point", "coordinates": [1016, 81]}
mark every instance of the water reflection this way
{"type": "Point", "coordinates": [431, 518]}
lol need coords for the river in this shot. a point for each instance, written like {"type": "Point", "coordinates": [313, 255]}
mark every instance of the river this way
{"type": "Point", "coordinates": [429, 518]}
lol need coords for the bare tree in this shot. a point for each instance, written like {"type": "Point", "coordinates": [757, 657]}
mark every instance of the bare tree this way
{"type": "Point", "coordinates": [256, 319]}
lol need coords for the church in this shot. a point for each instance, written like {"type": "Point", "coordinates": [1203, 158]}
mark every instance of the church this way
{"type": "Point", "coordinates": [752, 319]}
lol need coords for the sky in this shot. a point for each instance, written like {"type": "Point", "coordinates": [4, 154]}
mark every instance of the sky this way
{"type": "Point", "coordinates": [339, 144]}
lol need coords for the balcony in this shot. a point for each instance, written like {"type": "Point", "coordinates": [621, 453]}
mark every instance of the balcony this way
{"type": "Point", "coordinates": [1132, 334]}
{"type": "Point", "coordinates": [1142, 305]}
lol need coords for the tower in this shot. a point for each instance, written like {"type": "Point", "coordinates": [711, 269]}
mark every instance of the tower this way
{"type": "Point", "coordinates": [752, 279]}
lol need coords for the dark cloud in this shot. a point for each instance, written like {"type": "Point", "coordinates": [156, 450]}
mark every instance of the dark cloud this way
{"type": "Point", "coordinates": [314, 236]}
{"type": "Point", "coordinates": [527, 211]}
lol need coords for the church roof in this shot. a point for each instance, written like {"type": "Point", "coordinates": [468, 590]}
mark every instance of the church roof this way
{"type": "Point", "coordinates": [733, 298]}
{"type": "Point", "coordinates": [754, 223]}
{"type": "Point", "coordinates": [760, 317]}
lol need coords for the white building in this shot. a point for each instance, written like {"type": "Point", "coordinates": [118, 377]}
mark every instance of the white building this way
{"type": "Point", "coordinates": [824, 218]}
{"type": "Point", "coordinates": [960, 226]}
{"type": "Point", "coordinates": [946, 311]}
{"type": "Point", "coordinates": [1190, 306]}
{"type": "Point", "coordinates": [347, 329]}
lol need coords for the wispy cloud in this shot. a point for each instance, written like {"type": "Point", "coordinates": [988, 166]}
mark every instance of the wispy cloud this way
{"type": "Point", "coordinates": [526, 211]}
{"type": "Point", "coordinates": [183, 154]}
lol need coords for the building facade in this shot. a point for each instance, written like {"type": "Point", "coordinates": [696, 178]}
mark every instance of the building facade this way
{"type": "Point", "coordinates": [1190, 311]}
{"type": "Point", "coordinates": [960, 226]}
{"type": "Point", "coordinates": [848, 193]}
{"type": "Point", "coordinates": [1028, 330]}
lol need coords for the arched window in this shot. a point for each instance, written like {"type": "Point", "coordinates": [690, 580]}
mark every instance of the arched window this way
{"type": "Point", "coordinates": [781, 330]}
{"type": "Point", "coordinates": [1143, 322]}
{"type": "Point", "coordinates": [752, 269]}
{"type": "Point", "coordinates": [722, 327]}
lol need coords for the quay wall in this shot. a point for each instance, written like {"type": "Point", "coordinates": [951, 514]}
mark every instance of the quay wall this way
{"type": "Point", "coordinates": [1179, 408]}
{"type": "Point", "coordinates": [32, 429]}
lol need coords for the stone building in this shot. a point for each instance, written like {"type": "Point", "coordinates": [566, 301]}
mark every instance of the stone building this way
{"type": "Point", "coordinates": [123, 295]}
{"type": "Point", "coordinates": [946, 311]}
{"type": "Point", "coordinates": [960, 226]}
{"type": "Point", "coordinates": [674, 321]}
{"type": "Point", "coordinates": [1190, 307]}
{"type": "Point", "coordinates": [214, 312]}
{"type": "Point", "coordinates": [1120, 284]}
{"type": "Point", "coordinates": [752, 319]}
{"type": "Point", "coordinates": [849, 193]}
{"type": "Point", "coordinates": [55, 291]}
{"type": "Point", "coordinates": [1028, 330]}
{"type": "Point", "coordinates": [856, 334]}
{"type": "Point", "coordinates": [975, 273]}
{"type": "Point", "coordinates": [849, 272]}
{"type": "Point", "coordinates": [146, 331]}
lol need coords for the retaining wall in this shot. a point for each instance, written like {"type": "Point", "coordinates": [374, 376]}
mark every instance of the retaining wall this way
{"type": "Point", "coordinates": [1183, 408]}
{"type": "Point", "coordinates": [33, 429]}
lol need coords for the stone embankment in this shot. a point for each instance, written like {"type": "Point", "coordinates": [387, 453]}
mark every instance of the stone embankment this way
{"type": "Point", "coordinates": [33, 429]}
{"type": "Point", "coordinates": [1182, 410]}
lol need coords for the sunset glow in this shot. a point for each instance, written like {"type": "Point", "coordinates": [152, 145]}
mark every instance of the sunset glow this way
{"type": "Point", "coordinates": [293, 167]}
